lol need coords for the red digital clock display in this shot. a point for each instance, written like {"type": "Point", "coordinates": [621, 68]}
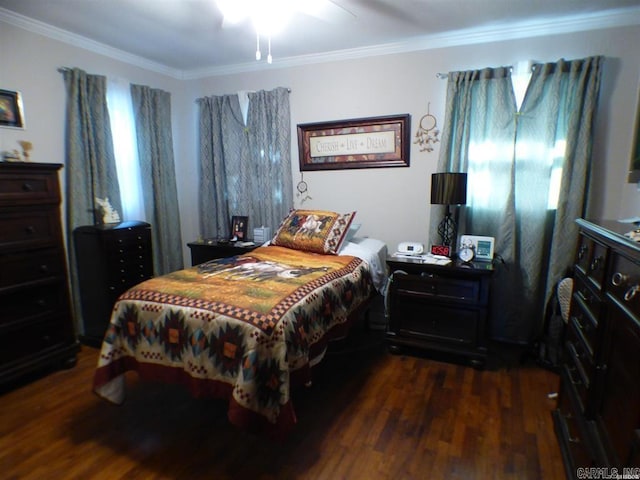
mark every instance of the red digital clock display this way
{"type": "Point", "coordinates": [443, 250]}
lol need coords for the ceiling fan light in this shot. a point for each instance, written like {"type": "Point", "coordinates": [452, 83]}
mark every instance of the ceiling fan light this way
{"type": "Point", "coordinates": [233, 11]}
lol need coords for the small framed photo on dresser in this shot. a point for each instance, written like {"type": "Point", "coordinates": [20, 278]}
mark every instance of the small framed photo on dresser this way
{"type": "Point", "coordinates": [239, 228]}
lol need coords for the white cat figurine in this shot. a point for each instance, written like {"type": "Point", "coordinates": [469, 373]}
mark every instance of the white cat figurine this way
{"type": "Point", "coordinates": [109, 215]}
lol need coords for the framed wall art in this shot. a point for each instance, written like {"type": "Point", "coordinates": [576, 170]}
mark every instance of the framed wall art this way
{"type": "Point", "coordinates": [356, 143]}
{"type": "Point", "coordinates": [11, 113]}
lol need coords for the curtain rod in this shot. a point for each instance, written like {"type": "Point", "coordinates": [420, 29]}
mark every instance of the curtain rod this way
{"type": "Point", "coordinates": [442, 76]}
{"type": "Point", "coordinates": [66, 69]}
{"type": "Point", "coordinates": [250, 91]}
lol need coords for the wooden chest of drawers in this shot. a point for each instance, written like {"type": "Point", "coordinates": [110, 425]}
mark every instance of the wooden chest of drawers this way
{"type": "Point", "coordinates": [598, 416]}
{"type": "Point", "coordinates": [111, 258]}
{"type": "Point", "coordinates": [36, 327]}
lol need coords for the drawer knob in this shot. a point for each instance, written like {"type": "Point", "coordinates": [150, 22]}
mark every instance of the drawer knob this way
{"type": "Point", "coordinates": [596, 263]}
{"type": "Point", "coordinates": [44, 268]}
{"type": "Point", "coordinates": [618, 278]}
{"type": "Point", "coordinates": [582, 251]}
{"type": "Point", "coordinates": [27, 187]}
{"type": "Point", "coordinates": [30, 229]}
{"type": "Point", "coordinates": [631, 292]}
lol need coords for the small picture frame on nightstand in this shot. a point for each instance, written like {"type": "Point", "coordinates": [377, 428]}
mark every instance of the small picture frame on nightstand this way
{"type": "Point", "coordinates": [239, 228]}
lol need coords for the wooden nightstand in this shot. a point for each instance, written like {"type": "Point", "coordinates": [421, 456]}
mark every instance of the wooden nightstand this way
{"type": "Point", "coordinates": [441, 308]}
{"type": "Point", "coordinates": [207, 249]}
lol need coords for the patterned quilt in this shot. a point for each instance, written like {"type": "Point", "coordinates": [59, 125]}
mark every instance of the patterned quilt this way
{"type": "Point", "coordinates": [241, 328]}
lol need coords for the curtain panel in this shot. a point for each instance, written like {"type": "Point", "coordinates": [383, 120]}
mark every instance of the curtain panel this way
{"type": "Point", "coordinates": [90, 163]}
{"type": "Point", "coordinates": [528, 177]}
{"type": "Point", "coordinates": [152, 112]}
{"type": "Point", "coordinates": [244, 169]}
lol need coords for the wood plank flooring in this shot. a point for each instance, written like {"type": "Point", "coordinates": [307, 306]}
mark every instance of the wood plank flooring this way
{"type": "Point", "coordinates": [368, 415]}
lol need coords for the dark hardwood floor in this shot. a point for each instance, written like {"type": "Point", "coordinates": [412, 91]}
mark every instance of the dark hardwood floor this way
{"type": "Point", "coordinates": [368, 415]}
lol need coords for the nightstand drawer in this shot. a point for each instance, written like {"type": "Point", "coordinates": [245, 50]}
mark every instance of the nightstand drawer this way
{"type": "Point", "coordinates": [442, 323]}
{"type": "Point", "coordinates": [445, 288]}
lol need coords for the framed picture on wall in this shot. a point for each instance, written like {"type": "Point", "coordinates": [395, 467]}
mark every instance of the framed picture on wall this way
{"type": "Point", "coordinates": [356, 143]}
{"type": "Point", "coordinates": [11, 112]}
{"type": "Point", "coordinates": [239, 228]}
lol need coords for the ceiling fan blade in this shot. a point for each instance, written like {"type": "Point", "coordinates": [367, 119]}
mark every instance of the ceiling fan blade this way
{"type": "Point", "coordinates": [326, 10]}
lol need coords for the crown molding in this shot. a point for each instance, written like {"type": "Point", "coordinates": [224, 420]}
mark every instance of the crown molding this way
{"type": "Point", "coordinates": [49, 31]}
{"type": "Point", "coordinates": [552, 26]}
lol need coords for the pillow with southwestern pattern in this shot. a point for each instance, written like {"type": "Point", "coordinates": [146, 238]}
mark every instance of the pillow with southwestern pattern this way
{"type": "Point", "coordinates": [316, 231]}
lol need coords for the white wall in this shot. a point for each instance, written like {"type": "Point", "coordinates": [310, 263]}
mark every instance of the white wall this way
{"type": "Point", "coordinates": [392, 203]}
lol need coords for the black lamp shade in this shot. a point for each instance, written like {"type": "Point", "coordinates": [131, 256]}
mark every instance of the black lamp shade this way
{"type": "Point", "coordinates": [448, 188]}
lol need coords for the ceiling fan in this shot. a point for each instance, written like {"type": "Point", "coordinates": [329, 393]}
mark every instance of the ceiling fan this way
{"type": "Point", "coordinates": [271, 16]}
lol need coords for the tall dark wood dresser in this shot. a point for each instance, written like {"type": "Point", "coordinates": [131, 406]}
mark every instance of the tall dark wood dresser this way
{"type": "Point", "coordinates": [111, 258]}
{"type": "Point", "coordinates": [36, 325]}
{"type": "Point", "coordinates": [597, 420]}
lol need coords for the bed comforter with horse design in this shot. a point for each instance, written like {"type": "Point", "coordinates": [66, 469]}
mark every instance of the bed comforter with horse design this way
{"type": "Point", "coordinates": [242, 328]}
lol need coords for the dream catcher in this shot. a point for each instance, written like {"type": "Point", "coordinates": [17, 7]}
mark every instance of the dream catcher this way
{"type": "Point", "coordinates": [427, 133]}
{"type": "Point", "coordinates": [302, 189]}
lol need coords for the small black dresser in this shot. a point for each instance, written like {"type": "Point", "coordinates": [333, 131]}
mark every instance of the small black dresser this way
{"type": "Point", "coordinates": [440, 308]}
{"type": "Point", "coordinates": [111, 258]}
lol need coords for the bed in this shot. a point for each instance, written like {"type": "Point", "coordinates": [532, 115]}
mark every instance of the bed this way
{"type": "Point", "coordinates": [245, 328]}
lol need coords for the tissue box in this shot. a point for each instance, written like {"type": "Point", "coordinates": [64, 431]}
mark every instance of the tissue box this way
{"type": "Point", "coordinates": [261, 235]}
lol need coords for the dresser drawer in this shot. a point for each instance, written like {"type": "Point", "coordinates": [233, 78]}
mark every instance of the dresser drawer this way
{"type": "Point", "coordinates": [573, 380]}
{"type": "Point", "coordinates": [28, 187]}
{"type": "Point", "coordinates": [624, 283]}
{"type": "Point", "coordinates": [32, 303]}
{"type": "Point", "coordinates": [585, 312]}
{"type": "Point", "coordinates": [38, 265]}
{"type": "Point", "coordinates": [28, 228]}
{"type": "Point", "coordinates": [572, 430]}
{"type": "Point", "coordinates": [31, 339]}
{"type": "Point", "coordinates": [579, 359]}
{"type": "Point", "coordinates": [445, 288]}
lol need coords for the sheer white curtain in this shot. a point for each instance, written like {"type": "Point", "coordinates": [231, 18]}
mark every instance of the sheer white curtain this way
{"type": "Point", "coordinates": [125, 148]}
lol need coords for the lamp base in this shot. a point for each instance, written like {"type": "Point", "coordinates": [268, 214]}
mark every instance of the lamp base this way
{"type": "Point", "coordinates": [447, 228]}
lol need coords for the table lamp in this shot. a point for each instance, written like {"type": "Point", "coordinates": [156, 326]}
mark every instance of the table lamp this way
{"type": "Point", "coordinates": [448, 189]}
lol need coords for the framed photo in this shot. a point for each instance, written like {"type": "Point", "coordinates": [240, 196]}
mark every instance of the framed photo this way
{"type": "Point", "coordinates": [239, 228]}
{"type": "Point", "coordinates": [357, 143]}
{"type": "Point", "coordinates": [11, 114]}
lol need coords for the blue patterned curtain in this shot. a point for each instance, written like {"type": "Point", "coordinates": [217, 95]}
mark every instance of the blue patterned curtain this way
{"type": "Point", "coordinates": [90, 164]}
{"type": "Point", "coordinates": [152, 111]}
{"type": "Point", "coordinates": [528, 175]}
{"type": "Point", "coordinates": [244, 169]}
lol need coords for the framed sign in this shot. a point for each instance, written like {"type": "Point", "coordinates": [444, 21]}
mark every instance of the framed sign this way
{"type": "Point", "coordinates": [357, 143]}
{"type": "Point", "coordinates": [11, 114]}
